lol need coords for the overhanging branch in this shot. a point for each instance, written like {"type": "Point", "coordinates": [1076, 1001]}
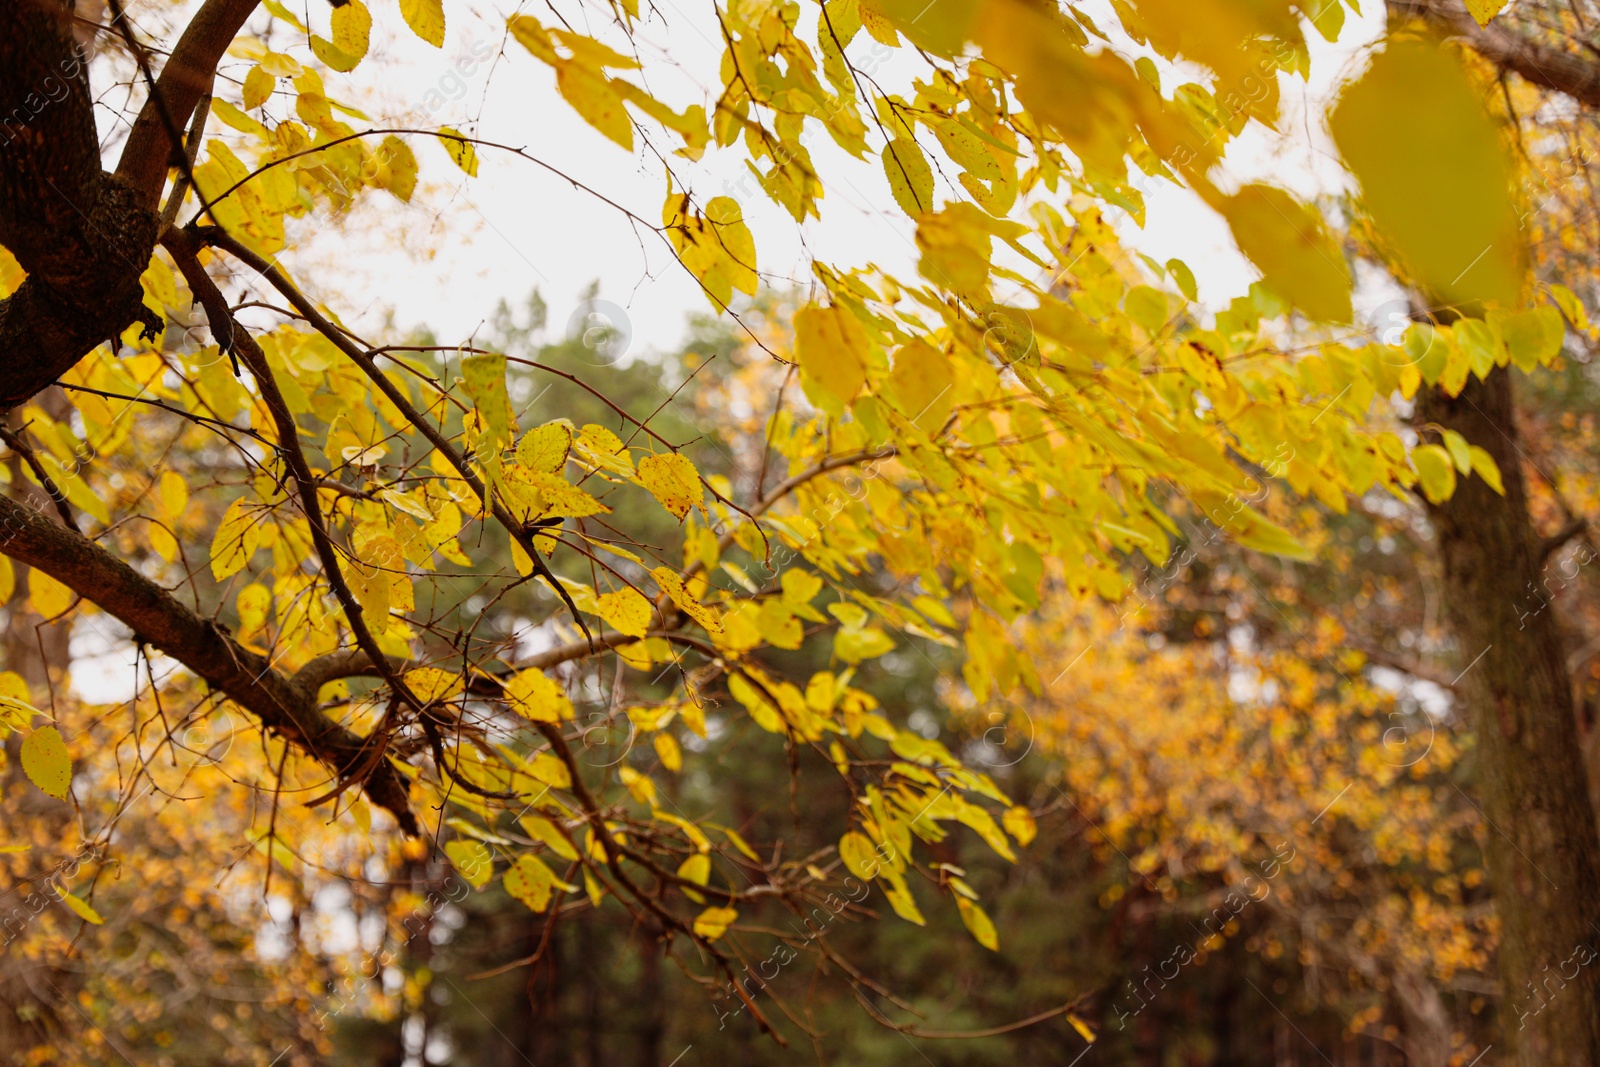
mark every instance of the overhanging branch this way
{"type": "Point", "coordinates": [159, 619]}
{"type": "Point", "coordinates": [1566, 72]}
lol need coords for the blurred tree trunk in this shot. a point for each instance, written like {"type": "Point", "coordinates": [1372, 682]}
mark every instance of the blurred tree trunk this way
{"type": "Point", "coordinates": [1542, 850]}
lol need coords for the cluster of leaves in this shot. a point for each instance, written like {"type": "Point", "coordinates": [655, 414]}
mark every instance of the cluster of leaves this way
{"type": "Point", "coordinates": [1014, 419]}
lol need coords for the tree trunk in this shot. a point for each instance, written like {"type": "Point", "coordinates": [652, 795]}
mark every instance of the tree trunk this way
{"type": "Point", "coordinates": [1542, 850]}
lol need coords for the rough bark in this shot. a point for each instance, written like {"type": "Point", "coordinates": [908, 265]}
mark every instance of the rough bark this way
{"type": "Point", "coordinates": [1542, 849]}
{"type": "Point", "coordinates": [84, 236]}
{"type": "Point", "coordinates": [157, 618]}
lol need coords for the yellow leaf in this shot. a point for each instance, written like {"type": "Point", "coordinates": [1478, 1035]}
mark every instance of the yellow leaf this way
{"type": "Point", "coordinates": [463, 152]}
{"type": "Point", "coordinates": [1433, 173]}
{"type": "Point", "coordinates": [696, 869]}
{"type": "Point", "coordinates": [531, 882]}
{"type": "Point", "coordinates": [1019, 823]}
{"type": "Point", "coordinates": [8, 578]}
{"type": "Point", "coordinates": [544, 831]}
{"type": "Point", "coordinates": [536, 496]}
{"type": "Point", "coordinates": [352, 28]}
{"type": "Point", "coordinates": [549, 769]}
{"type": "Point", "coordinates": [901, 900]}
{"type": "Point", "coordinates": [1484, 466]}
{"type": "Point", "coordinates": [472, 860]}
{"type": "Point", "coordinates": [604, 450]}
{"type": "Point", "coordinates": [329, 53]}
{"type": "Point", "coordinates": [431, 683]}
{"type": "Point", "coordinates": [174, 493]}
{"type": "Point", "coordinates": [484, 378]}
{"type": "Point", "coordinates": [406, 503]}
{"type": "Point", "coordinates": [258, 86]}
{"type": "Point", "coordinates": [1484, 11]}
{"type": "Point", "coordinates": [46, 763]}
{"type": "Point", "coordinates": [860, 855]}
{"type": "Point", "coordinates": [919, 385]}
{"type": "Point", "coordinates": [1436, 471]}
{"type": "Point", "coordinates": [910, 177]}
{"type": "Point", "coordinates": [536, 697]}
{"type": "Point", "coordinates": [13, 687]}
{"type": "Point", "coordinates": [831, 348]}
{"type": "Point", "coordinates": [161, 539]}
{"type": "Point", "coordinates": [673, 481]}
{"type": "Point", "coordinates": [158, 282]}
{"type": "Point", "coordinates": [81, 908]}
{"type": "Point", "coordinates": [673, 586]}
{"type": "Point", "coordinates": [236, 539]}
{"type": "Point", "coordinates": [778, 626]}
{"type": "Point", "coordinates": [252, 604]}
{"type": "Point", "coordinates": [1082, 1027]}
{"type": "Point", "coordinates": [15, 711]}
{"type": "Point", "coordinates": [737, 245]}
{"type": "Point", "coordinates": [50, 598]}
{"type": "Point", "coordinates": [740, 843]}
{"type": "Point", "coordinates": [593, 98]}
{"type": "Point", "coordinates": [1287, 240]}
{"type": "Point", "coordinates": [397, 168]}
{"type": "Point", "coordinates": [627, 610]}
{"type": "Point", "coordinates": [671, 755]}
{"type": "Point", "coordinates": [714, 922]}
{"type": "Point", "coordinates": [426, 19]}
{"type": "Point", "coordinates": [978, 924]}
{"type": "Point", "coordinates": [544, 448]}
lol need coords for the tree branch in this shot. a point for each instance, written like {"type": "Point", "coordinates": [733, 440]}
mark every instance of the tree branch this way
{"type": "Point", "coordinates": [83, 236]}
{"type": "Point", "coordinates": [152, 144]}
{"type": "Point", "coordinates": [362, 359]}
{"type": "Point", "coordinates": [1553, 68]}
{"type": "Point", "coordinates": [159, 619]}
{"type": "Point", "coordinates": [352, 663]}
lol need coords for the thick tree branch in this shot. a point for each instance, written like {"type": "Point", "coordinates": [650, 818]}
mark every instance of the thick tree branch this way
{"type": "Point", "coordinates": [159, 619]}
{"type": "Point", "coordinates": [187, 76]}
{"type": "Point", "coordinates": [84, 237]}
{"type": "Point", "coordinates": [1554, 68]}
{"type": "Point", "coordinates": [353, 663]}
